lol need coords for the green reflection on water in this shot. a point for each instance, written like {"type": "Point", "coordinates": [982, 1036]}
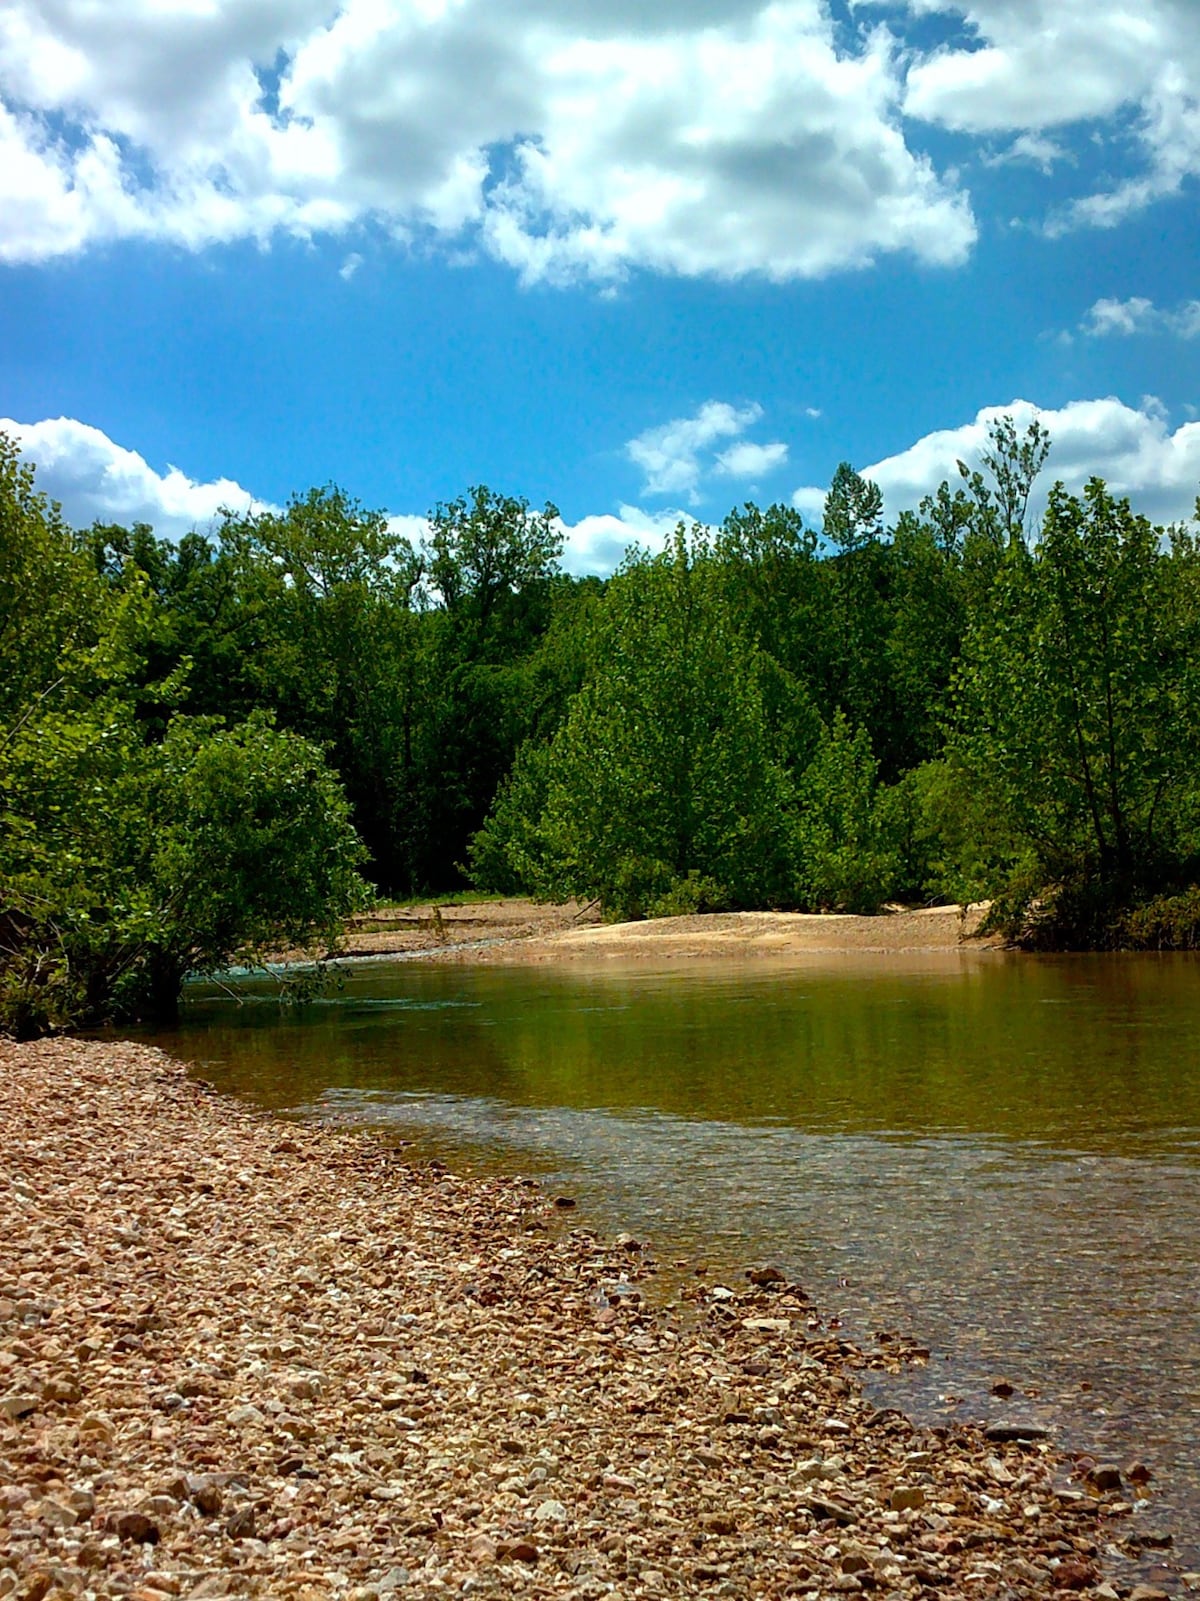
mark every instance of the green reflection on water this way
{"type": "Point", "coordinates": [1093, 1053]}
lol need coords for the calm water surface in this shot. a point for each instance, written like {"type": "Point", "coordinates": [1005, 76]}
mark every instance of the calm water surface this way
{"type": "Point", "coordinates": [998, 1156]}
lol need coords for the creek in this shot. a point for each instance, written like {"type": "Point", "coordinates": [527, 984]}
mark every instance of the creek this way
{"type": "Point", "coordinates": [995, 1155]}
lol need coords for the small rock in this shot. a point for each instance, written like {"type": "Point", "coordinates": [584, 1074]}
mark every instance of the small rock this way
{"type": "Point", "coordinates": [64, 1390]}
{"type": "Point", "coordinates": [241, 1524]}
{"type": "Point", "coordinates": [550, 1512]}
{"type": "Point", "coordinates": [835, 1510]}
{"type": "Point", "coordinates": [1077, 1575]}
{"type": "Point", "coordinates": [243, 1416]}
{"type": "Point", "coordinates": [1105, 1476]}
{"type": "Point", "coordinates": [907, 1498]}
{"type": "Point", "coordinates": [57, 1516]}
{"type": "Point", "coordinates": [1005, 1433]}
{"type": "Point", "coordinates": [20, 1405]}
{"type": "Point", "coordinates": [205, 1496]}
{"type": "Point", "coordinates": [720, 1523]}
{"type": "Point", "coordinates": [1138, 1473]}
{"type": "Point", "coordinates": [524, 1551]}
{"type": "Point", "coordinates": [213, 1584]}
{"type": "Point", "coordinates": [762, 1276]}
{"type": "Point", "coordinates": [98, 1425]}
{"type": "Point", "coordinates": [565, 1202]}
{"type": "Point", "coordinates": [393, 1579]}
{"type": "Point", "coordinates": [134, 1526]}
{"type": "Point", "coordinates": [1148, 1592]}
{"type": "Point", "coordinates": [1003, 1388]}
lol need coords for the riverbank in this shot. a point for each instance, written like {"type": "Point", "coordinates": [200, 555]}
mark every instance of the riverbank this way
{"type": "Point", "coordinates": [244, 1357]}
{"type": "Point", "coordinates": [521, 931]}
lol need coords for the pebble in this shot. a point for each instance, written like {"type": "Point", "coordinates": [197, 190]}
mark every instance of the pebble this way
{"type": "Point", "coordinates": [247, 1361]}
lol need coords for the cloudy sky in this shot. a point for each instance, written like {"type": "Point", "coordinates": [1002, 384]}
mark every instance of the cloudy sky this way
{"type": "Point", "coordinates": [642, 260]}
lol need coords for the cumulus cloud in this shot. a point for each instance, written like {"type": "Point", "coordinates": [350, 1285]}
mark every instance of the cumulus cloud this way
{"type": "Point", "coordinates": [1132, 448]}
{"type": "Point", "coordinates": [1140, 316]}
{"type": "Point", "coordinates": [96, 480]}
{"type": "Point", "coordinates": [1026, 66]}
{"type": "Point", "coordinates": [677, 455]}
{"type": "Point", "coordinates": [570, 140]}
{"type": "Point", "coordinates": [596, 545]}
{"type": "Point", "coordinates": [748, 460]}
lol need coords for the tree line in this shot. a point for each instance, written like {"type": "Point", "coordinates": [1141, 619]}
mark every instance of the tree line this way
{"type": "Point", "coordinates": [215, 748]}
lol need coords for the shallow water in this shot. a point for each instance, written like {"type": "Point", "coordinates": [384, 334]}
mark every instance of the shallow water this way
{"type": "Point", "coordinates": [997, 1156]}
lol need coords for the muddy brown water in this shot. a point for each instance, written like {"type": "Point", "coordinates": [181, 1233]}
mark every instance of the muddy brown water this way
{"type": "Point", "coordinates": [998, 1156]}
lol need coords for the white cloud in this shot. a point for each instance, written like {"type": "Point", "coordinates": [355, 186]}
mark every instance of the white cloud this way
{"type": "Point", "coordinates": [1140, 316]}
{"type": "Point", "coordinates": [350, 266]}
{"type": "Point", "coordinates": [96, 480]}
{"type": "Point", "coordinates": [1033, 65]}
{"type": "Point", "coordinates": [670, 455]}
{"type": "Point", "coordinates": [596, 545]}
{"type": "Point", "coordinates": [747, 460]}
{"type": "Point", "coordinates": [722, 137]}
{"type": "Point", "coordinates": [1132, 449]}
{"type": "Point", "coordinates": [1032, 150]}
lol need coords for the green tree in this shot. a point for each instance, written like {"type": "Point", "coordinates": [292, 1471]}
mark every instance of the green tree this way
{"type": "Point", "coordinates": [661, 790]}
{"type": "Point", "coordinates": [845, 864]}
{"type": "Point", "coordinates": [126, 866]}
{"type": "Point", "coordinates": [1077, 710]}
{"type": "Point", "coordinates": [135, 849]}
{"type": "Point", "coordinates": [853, 510]}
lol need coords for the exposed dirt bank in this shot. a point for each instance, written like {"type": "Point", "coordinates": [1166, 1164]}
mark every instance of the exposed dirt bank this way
{"type": "Point", "coordinates": [522, 931]}
{"type": "Point", "coordinates": [241, 1357]}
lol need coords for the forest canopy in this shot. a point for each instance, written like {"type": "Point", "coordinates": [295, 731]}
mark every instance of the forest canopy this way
{"type": "Point", "coordinates": [216, 748]}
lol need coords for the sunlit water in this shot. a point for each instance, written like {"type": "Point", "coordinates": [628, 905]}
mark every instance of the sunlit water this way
{"type": "Point", "coordinates": [997, 1156]}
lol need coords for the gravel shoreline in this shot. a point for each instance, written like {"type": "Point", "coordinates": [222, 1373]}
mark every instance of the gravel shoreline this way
{"type": "Point", "coordinates": [243, 1357]}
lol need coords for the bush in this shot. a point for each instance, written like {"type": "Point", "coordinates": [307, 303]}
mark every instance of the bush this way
{"type": "Point", "coordinates": [127, 866]}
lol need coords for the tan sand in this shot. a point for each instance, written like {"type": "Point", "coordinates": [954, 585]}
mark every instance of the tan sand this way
{"type": "Point", "coordinates": [518, 930]}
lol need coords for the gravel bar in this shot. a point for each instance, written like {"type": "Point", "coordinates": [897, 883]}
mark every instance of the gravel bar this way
{"type": "Point", "coordinates": [245, 1357]}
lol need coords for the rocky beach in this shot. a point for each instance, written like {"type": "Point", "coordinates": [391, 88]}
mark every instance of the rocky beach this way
{"type": "Point", "coordinates": [244, 1357]}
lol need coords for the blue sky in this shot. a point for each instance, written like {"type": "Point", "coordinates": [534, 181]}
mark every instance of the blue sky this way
{"type": "Point", "coordinates": [644, 262]}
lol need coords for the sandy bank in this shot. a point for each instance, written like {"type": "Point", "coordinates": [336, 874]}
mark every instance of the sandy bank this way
{"type": "Point", "coordinates": [239, 1357]}
{"type": "Point", "coordinates": [523, 931]}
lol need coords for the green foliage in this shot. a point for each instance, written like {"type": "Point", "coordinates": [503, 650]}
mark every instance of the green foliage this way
{"type": "Point", "coordinates": [1014, 465]}
{"type": "Point", "coordinates": [853, 510]}
{"type": "Point", "coordinates": [661, 786]}
{"type": "Point", "coordinates": [486, 551]}
{"type": "Point", "coordinates": [845, 864]}
{"type": "Point", "coordinates": [1162, 923]}
{"type": "Point", "coordinates": [135, 848]}
{"type": "Point", "coordinates": [1076, 713]}
{"type": "Point", "coordinates": [127, 866]}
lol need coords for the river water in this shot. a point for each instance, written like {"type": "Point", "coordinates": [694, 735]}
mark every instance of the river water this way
{"type": "Point", "coordinates": [996, 1156]}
